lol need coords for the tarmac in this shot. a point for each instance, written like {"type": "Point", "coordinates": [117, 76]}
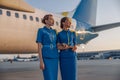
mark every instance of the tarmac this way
{"type": "Point", "coordinates": [86, 70]}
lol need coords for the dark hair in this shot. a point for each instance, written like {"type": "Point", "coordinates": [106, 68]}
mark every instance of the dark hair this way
{"type": "Point", "coordinates": [46, 17]}
{"type": "Point", "coordinates": [63, 20]}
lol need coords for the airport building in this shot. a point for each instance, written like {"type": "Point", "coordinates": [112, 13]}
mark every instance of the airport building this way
{"type": "Point", "coordinates": [108, 54]}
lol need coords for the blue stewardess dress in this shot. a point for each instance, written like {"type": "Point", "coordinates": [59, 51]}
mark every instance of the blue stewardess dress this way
{"type": "Point", "coordinates": [67, 57]}
{"type": "Point", "coordinates": [48, 37]}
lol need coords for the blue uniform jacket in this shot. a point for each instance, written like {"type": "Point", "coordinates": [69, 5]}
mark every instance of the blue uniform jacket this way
{"type": "Point", "coordinates": [67, 37]}
{"type": "Point", "coordinates": [48, 37]}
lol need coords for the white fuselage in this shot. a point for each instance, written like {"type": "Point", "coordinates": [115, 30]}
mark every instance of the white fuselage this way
{"type": "Point", "coordinates": [18, 33]}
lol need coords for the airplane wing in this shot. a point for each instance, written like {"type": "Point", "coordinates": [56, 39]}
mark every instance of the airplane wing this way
{"type": "Point", "coordinates": [105, 27]}
{"type": "Point", "coordinates": [19, 5]}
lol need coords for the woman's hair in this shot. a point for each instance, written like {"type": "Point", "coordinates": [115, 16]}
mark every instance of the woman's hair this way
{"type": "Point", "coordinates": [46, 17]}
{"type": "Point", "coordinates": [63, 20]}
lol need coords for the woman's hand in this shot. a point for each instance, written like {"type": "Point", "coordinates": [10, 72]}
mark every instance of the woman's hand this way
{"type": "Point", "coordinates": [62, 46]}
{"type": "Point", "coordinates": [74, 48]}
{"type": "Point", "coordinates": [65, 46]}
{"type": "Point", "coordinates": [42, 66]}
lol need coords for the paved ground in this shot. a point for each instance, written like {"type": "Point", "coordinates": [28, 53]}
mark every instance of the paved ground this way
{"type": "Point", "coordinates": [87, 70]}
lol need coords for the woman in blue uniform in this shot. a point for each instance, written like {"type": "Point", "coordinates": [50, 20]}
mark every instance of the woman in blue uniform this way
{"type": "Point", "coordinates": [66, 43]}
{"type": "Point", "coordinates": [48, 53]}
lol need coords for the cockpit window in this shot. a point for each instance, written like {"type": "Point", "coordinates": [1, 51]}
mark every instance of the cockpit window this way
{"type": "Point", "coordinates": [8, 13]}
{"type": "Point", "coordinates": [0, 12]}
{"type": "Point", "coordinates": [24, 16]}
{"type": "Point", "coordinates": [16, 15]}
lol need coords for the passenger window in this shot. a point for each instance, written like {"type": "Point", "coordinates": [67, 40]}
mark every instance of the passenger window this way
{"type": "Point", "coordinates": [0, 12]}
{"type": "Point", "coordinates": [8, 13]}
{"type": "Point", "coordinates": [41, 19]}
{"type": "Point", "coordinates": [16, 15]}
{"type": "Point", "coordinates": [37, 19]}
{"type": "Point", "coordinates": [57, 23]}
{"type": "Point", "coordinates": [31, 18]}
{"type": "Point", "coordinates": [24, 16]}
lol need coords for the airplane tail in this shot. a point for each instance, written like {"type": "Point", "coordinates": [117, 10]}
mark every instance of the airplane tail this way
{"type": "Point", "coordinates": [86, 11]}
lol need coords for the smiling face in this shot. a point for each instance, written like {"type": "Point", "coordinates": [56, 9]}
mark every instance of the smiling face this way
{"type": "Point", "coordinates": [50, 21]}
{"type": "Point", "coordinates": [65, 22]}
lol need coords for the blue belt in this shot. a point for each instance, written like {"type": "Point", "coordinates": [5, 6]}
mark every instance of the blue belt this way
{"type": "Point", "coordinates": [50, 45]}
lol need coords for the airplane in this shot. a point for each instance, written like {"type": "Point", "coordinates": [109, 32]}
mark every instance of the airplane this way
{"type": "Point", "coordinates": [25, 59]}
{"type": "Point", "coordinates": [19, 23]}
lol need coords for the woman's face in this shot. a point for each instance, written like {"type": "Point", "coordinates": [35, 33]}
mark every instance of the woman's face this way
{"type": "Point", "coordinates": [67, 23]}
{"type": "Point", "coordinates": [50, 21]}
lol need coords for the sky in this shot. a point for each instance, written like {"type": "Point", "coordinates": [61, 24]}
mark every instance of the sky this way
{"type": "Point", "coordinates": [106, 13]}
{"type": "Point", "coordinates": [54, 5]}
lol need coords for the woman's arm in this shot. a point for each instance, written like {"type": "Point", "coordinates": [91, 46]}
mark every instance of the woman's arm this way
{"type": "Point", "coordinates": [62, 46]}
{"type": "Point", "coordinates": [74, 48]}
{"type": "Point", "coordinates": [42, 67]}
{"type": "Point", "coordinates": [75, 42]}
